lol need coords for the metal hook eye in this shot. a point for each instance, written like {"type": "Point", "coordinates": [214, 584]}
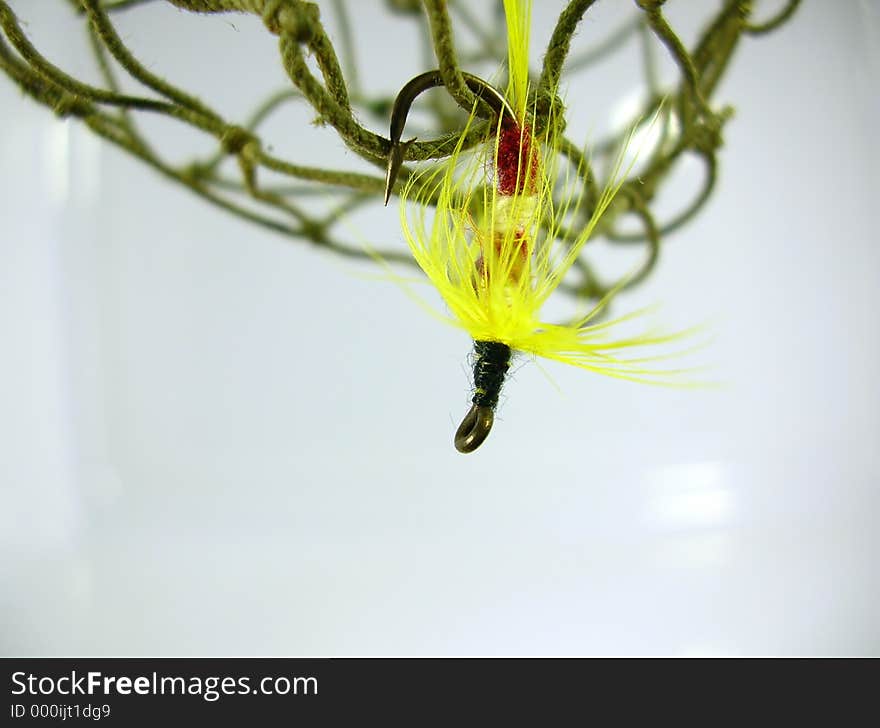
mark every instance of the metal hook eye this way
{"type": "Point", "coordinates": [421, 83]}
{"type": "Point", "coordinates": [474, 428]}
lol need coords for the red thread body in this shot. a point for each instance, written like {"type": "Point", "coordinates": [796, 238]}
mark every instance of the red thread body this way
{"type": "Point", "coordinates": [516, 173]}
{"type": "Point", "coordinates": [517, 160]}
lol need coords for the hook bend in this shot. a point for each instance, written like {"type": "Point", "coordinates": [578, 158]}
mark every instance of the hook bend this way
{"type": "Point", "coordinates": [404, 101]}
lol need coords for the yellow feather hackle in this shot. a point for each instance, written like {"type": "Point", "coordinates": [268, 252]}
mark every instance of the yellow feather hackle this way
{"type": "Point", "coordinates": [492, 256]}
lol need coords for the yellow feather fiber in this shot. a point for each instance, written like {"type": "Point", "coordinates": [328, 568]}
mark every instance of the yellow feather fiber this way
{"type": "Point", "coordinates": [494, 258]}
{"type": "Point", "coordinates": [518, 16]}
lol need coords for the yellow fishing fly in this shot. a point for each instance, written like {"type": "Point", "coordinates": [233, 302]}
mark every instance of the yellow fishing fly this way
{"type": "Point", "coordinates": [489, 247]}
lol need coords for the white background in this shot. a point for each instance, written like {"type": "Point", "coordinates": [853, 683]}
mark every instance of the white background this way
{"type": "Point", "coordinates": [214, 440]}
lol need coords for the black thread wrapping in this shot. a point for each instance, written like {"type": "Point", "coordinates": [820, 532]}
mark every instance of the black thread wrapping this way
{"type": "Point", "coordinates": [491, 362]}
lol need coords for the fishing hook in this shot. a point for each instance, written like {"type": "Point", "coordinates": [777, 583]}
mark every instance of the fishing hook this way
{"type": "Point", "coordinates": [421, 83]}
